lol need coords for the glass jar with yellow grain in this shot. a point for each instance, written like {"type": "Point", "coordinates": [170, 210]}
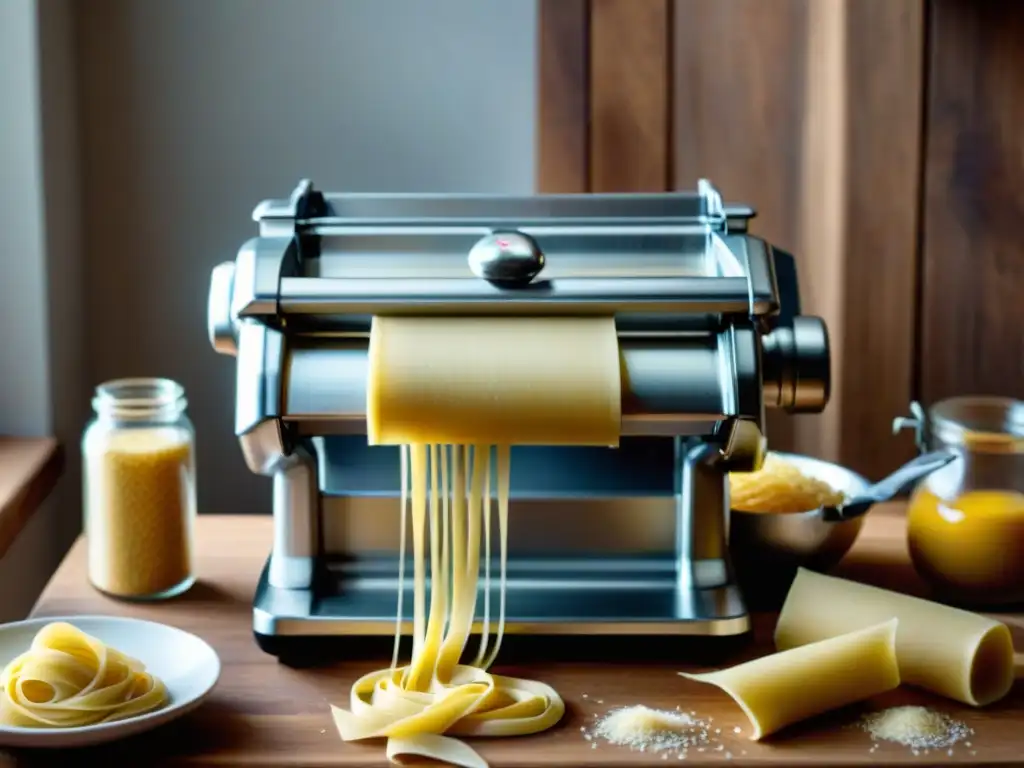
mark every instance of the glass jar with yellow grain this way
{"type": "Point", "coordinates": [965, 522]}
{"type": "Point", "coordinates": [138, 467]}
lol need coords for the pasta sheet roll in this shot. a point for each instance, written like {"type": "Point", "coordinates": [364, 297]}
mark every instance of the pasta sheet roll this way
{"type": "Point", "coordinates": [490, 380]}
{"type": "Point", "coordinates": [785, 688]}
{"type": "Point", "coordinates": [948, 651]}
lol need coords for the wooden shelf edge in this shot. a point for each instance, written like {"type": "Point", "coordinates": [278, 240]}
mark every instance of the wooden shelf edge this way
{"type": "Point", "coordinates": [29, 471]}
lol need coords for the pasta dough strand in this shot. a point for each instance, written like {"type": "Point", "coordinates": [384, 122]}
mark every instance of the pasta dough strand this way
{"type": "Point", "coordinates": [485, 625]}
{"type": "Point", "coordinates": [504, 475]}
{"type": "Point", "coordinates": [68, 679]}
{"type": "Point", "coordinates": [403, 515]}
{"type": "Point", "coordinates": [450, 391]}
{"type": "Point", "coordinates": [419, 707]}
{"type": "Point", "coordinates": [462, 603]}
{"type": "Point", "coordinates": [417, 463]}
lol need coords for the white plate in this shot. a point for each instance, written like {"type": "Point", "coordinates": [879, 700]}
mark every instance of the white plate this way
{"type": "Point", "coordinates": [188, 666]}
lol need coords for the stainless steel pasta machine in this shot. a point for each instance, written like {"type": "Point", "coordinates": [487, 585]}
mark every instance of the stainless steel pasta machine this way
{"type": "Point", "coordinates": [627, 541]}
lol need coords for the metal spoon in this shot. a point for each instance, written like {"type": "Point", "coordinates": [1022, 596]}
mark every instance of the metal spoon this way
{"type": "Point", "coordinates": [886, 489]}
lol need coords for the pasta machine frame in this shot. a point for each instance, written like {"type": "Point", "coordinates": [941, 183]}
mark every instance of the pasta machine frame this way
{"type": "Point", "coordinates": [627, 541]}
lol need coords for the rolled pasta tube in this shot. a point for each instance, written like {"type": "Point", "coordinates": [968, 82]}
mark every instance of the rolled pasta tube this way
{"type": "Point", "coordinates": [785, 688]}
{"type": "Point", "coordinates": [951, 652]}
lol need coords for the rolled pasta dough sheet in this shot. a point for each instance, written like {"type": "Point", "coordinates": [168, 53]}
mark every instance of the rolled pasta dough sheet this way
{"type": "Point", "coordinates": [948, 651]}
{"type": "Point", "coordinates": [787, 687]}
{"type": "Point", "coordinates": [511, 380]}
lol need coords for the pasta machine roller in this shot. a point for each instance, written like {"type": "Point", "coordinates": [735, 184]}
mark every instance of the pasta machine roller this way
{"type": "Point", "coordinates": [626, 541]}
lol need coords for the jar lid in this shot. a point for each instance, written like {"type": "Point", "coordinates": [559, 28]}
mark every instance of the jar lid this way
{"type": "Point", "coordinates": [984, 423]}
{"type": "Point", "coordinates": [139, 398]}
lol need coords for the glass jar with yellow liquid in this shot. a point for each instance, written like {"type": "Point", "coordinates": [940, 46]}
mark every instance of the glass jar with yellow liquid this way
{"type": "Point", "coordinates": [138, 471]}
{"type": "Point", "coordinates": [965, 522]}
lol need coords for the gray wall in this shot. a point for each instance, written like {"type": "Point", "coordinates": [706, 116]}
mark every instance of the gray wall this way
{"type": "Point", "coordinates": [195, 110]}
{"type": "Point", "coordinates": [23, 323]}
{"type": "Point", "coordinates": [137, 135]}
{"type": "Point", "coordinates": [42, 373]}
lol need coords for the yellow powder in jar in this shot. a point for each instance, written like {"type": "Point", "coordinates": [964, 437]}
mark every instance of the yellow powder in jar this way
{"type": "Point", "coordinates": [141, 505]}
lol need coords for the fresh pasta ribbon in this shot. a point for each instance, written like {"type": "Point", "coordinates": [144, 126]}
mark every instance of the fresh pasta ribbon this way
{"type": "Point", "coordinates": [449, 392]}
{"type": "Point", "coordinates": [419, 707]}
{"type": "Point", "coordinates": [68, 679]}
{"type": "Point", "coordinates": [473, 703]}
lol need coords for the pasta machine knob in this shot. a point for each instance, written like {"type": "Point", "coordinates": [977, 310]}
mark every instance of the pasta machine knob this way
{"type": "Point", "coordinates": [510, 258]}
{"type": "Point", "coordinates": [797, 366]}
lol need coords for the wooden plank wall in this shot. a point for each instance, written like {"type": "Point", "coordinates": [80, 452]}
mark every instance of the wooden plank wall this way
{"type": "Point", "coordinates": [811, 111]}
{"type": "Point", "coordinates": [604, 96]}
{"type": "Point", "coordinates": [630, 128]}
{"type": "Point", "coordinates": [877, 249]}
{"type": "Point", "coordinates": [563, 93]}
{"type": "Point", "coordinates": [972, 325]}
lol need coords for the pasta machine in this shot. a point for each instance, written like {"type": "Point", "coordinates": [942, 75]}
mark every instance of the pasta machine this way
{"type": "Point", "coordinates": [625, 541]}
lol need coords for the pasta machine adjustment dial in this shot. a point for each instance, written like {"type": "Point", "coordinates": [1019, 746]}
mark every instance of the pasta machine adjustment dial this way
{"type": "Point", "coordinates": [506, 258]}
{"type": "Point", "coordinates": [797, 375]}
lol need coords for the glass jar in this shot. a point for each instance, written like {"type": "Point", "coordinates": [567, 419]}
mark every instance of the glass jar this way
{"type": "Point", "coordinates": [138, 470]}
{"type": "Point", "coordinates": [965, 522]}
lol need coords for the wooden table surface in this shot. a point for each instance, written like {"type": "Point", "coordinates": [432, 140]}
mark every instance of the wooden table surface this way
{"type": "Point", "coordinates": [265, 714]}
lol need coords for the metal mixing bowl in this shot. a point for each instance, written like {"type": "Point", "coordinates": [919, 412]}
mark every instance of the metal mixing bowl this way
{"type": "Point", "coordinates": [767, 548]}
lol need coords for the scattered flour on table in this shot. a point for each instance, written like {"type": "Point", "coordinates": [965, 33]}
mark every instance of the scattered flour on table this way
{"type": "Point", "coordinates": [644, 729]}
{"type": "Point", "coordinates": [915, 727]}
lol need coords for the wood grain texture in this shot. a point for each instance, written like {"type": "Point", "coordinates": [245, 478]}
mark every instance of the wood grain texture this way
{"type": "Point", "coordinates": [29, 470]}
{"type": "Point", "coordinates": [563, 108]}
{"type": "Point", "coordinates": [738, 105]}
{"type": "Point", "coordinates": [810, 111]}
{"type": "Point", "coordinates": [973, 252]}
{"type": "Point", "coordinates": [630, 52]}
{"type": "Point", "coordinates": [879, 248]}
{"type": "Point", "coordinates": [265, 714]}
